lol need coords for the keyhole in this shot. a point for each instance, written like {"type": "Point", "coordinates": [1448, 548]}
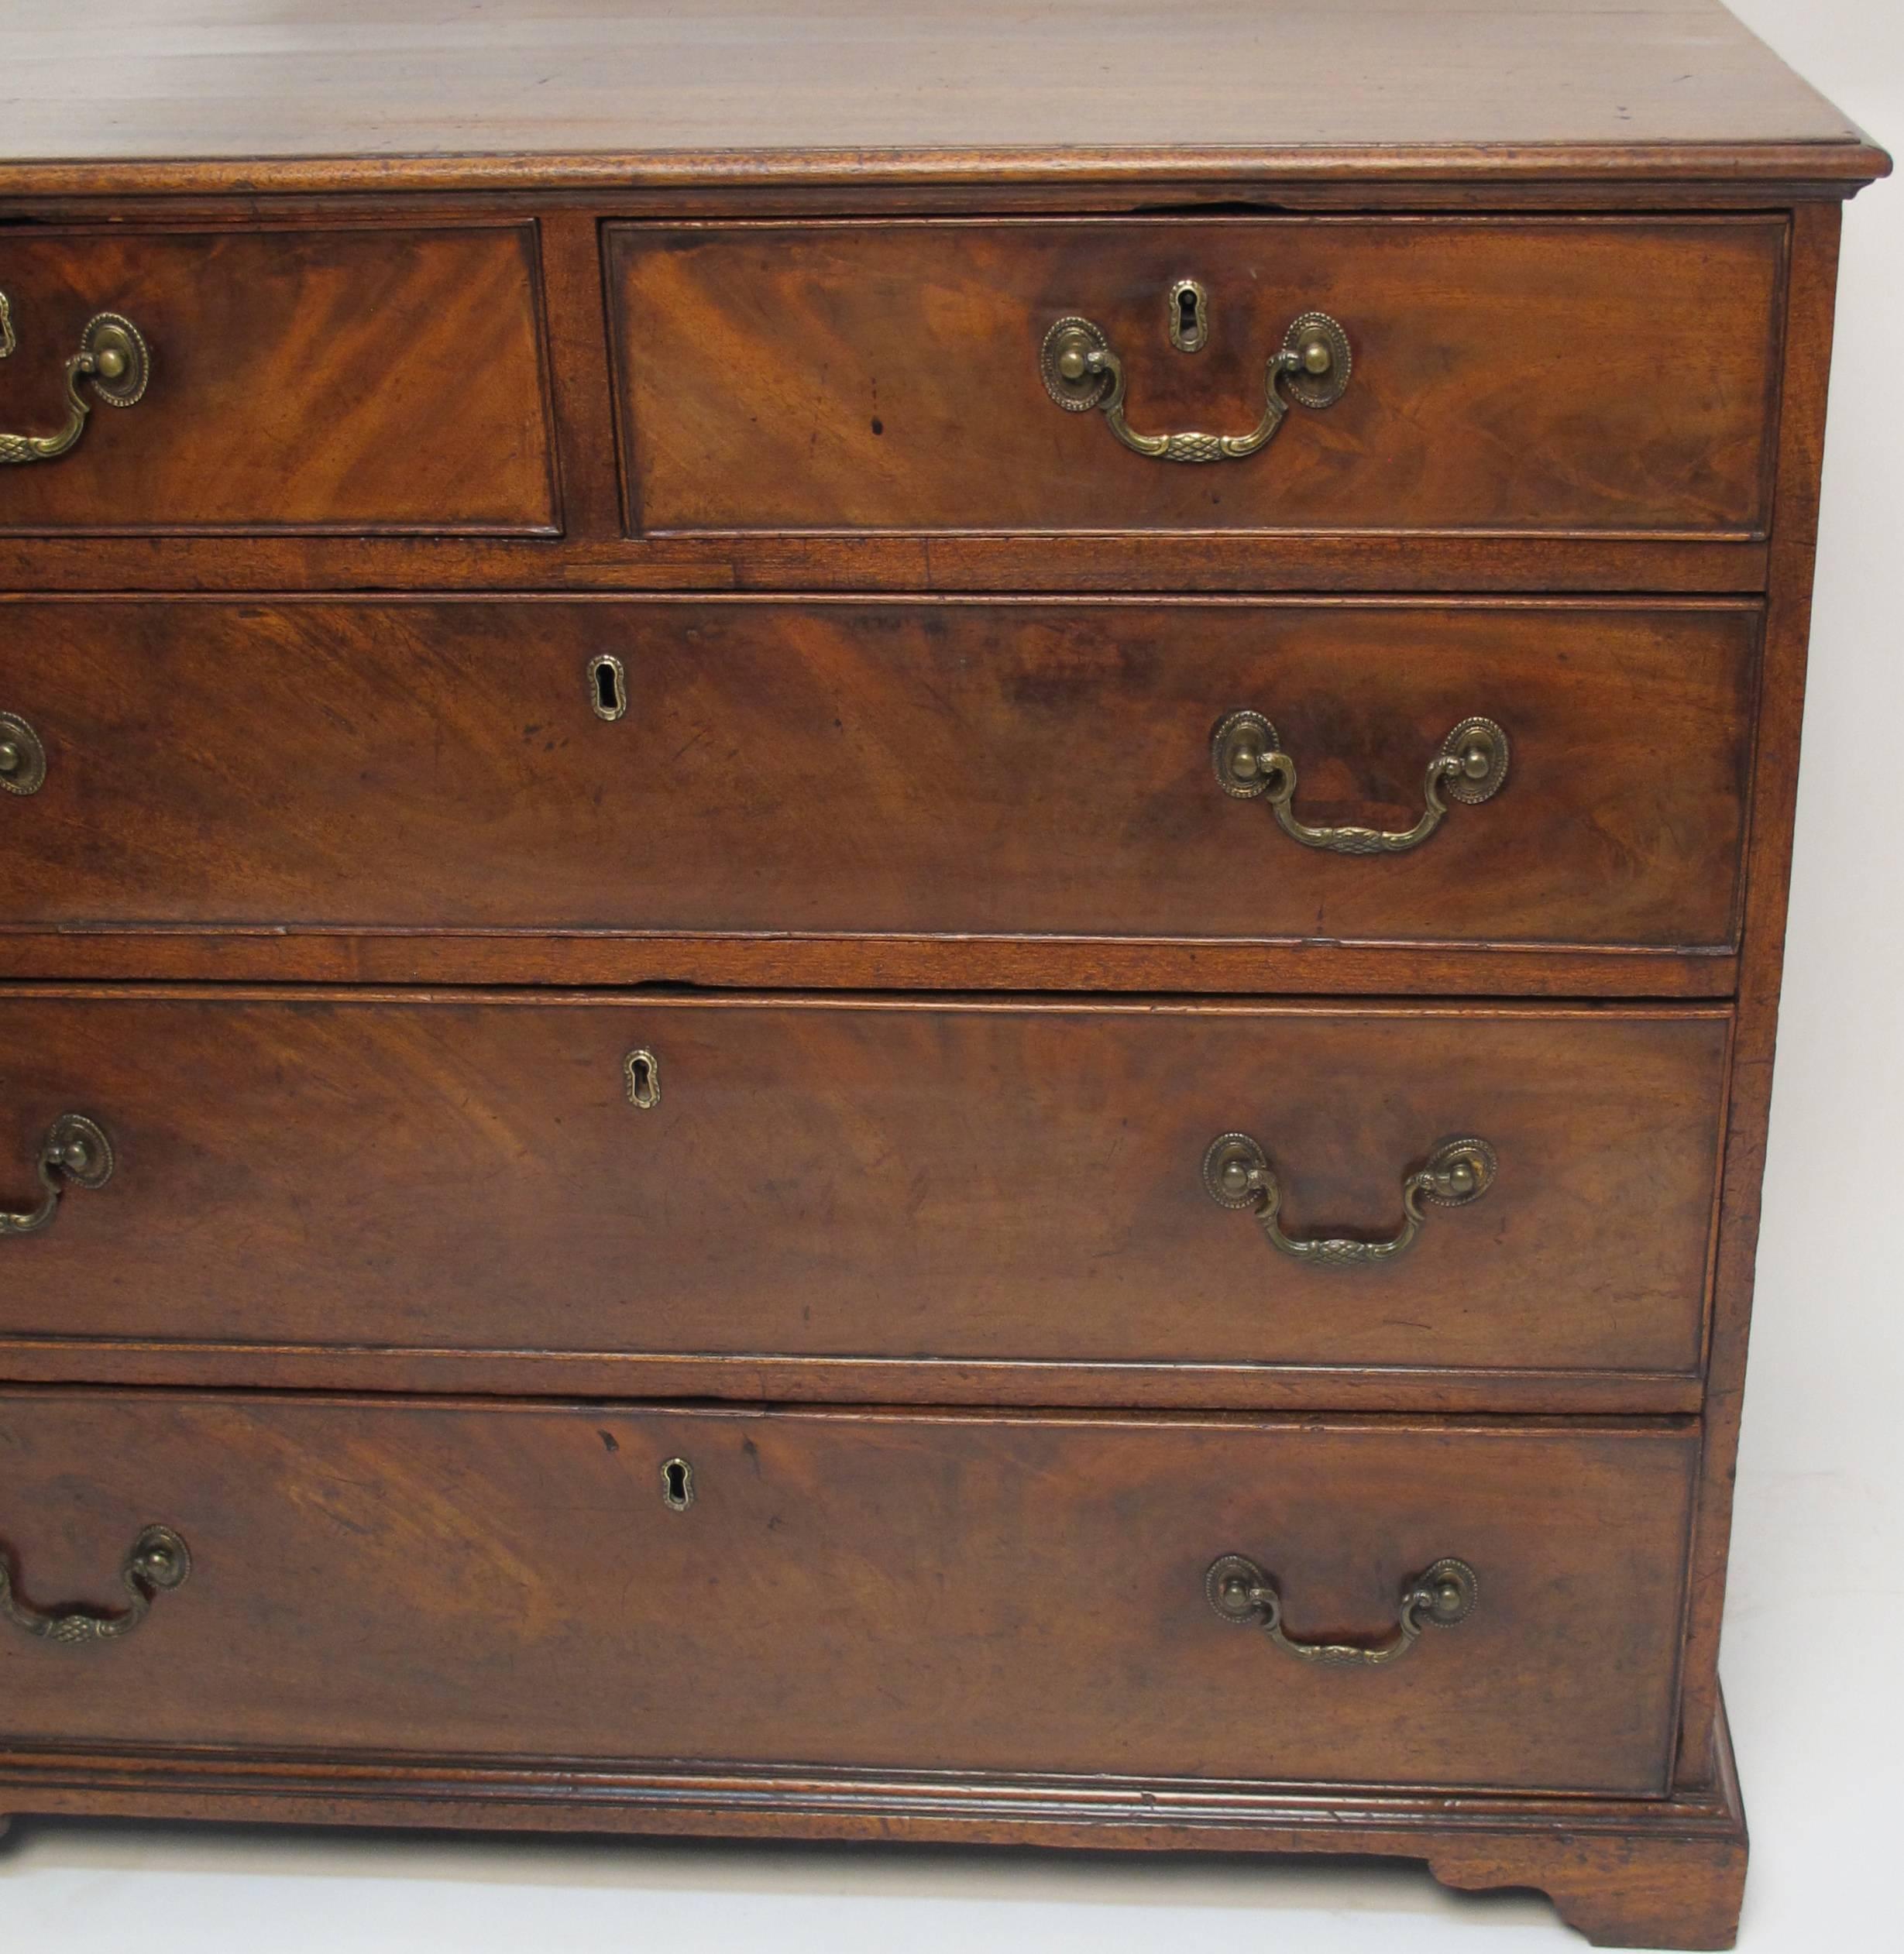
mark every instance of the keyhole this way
{"type": "Point", "coordinates": [608, 686]}
{"type": "Point", "coordinates": [1189, 307]}
{"type": "Point", "coordinates": [642, 1071]}
{"type": "Point", "coordinates": [677, 1485]}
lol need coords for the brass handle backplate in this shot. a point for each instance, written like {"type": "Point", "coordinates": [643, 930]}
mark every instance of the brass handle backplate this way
{"type": "Point", "coordinates": [23, 758]}
{"type": "Point", "coordinates": [1242, 1593]}
{"type": "Point", "coordinates": [1080, 372]}
{"type": "Point", "coordinates": [1471, 765]}
{"type": "Point", "coordinates": [155, 1564]}
{"type": "Point", "coordinates": [1237, 1173]}
{"type": "Point", "coordinates": [75, 1152]}
{"type": "Point", "coordinates": [112, 360]}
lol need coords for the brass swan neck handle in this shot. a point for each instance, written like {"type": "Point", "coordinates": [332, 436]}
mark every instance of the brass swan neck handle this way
{"type": "Point", "coordinates": [1243, 1593]}
{"type": "Point", "coordinates": [113, 362]}
{"type": "Point", "coordinates": [1081, 371]}
{"type": "Point", "coordinates": [76, 1153]}
{"type": "Point", "coordinates": [1237, 1173]}
{"type": "Point", "coordinates": [1247, 754]}
{"type": "Point", "coordinates": [155, 1564]}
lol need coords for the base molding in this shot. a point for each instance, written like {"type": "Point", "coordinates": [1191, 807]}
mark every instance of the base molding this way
{"type": "Point", "coordinates": [1666, 1872]}
{"type": "Point", "coordinates": [1677, 1883]}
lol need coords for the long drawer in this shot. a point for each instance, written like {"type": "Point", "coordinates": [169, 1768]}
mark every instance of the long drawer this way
{"type": "Point", "coordinates": [1526, 376]}
{"type": "Point", "coordinates": [1433, 1189]}
{"type": "Point", "coordinates": [1020, 769]}
{"type": "Point", "coordinates": [1015, 1594]}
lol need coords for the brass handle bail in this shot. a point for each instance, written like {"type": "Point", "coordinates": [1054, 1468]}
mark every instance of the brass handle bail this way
{"type": "Point", "coordinates": [1080, 372]}
{"type": "Point", "coordinates": [75, 1152]}
{"type": "Point", "coordinates": [157, 1562]}
{"type": "Point", "coordinates": [113, 360]}
{"type": "Point", "coordinates": [1247, 755]}
{"type": "Point", "coordinates": [1237, 1174]}
{"type": "Point", "coordinates": [1243, 1593]}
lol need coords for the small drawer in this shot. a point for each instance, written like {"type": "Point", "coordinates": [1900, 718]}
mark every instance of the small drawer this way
{"type": "Point", "coordinates": [854, 769]}
{"type": "Point", "coordinates": [921, 1185]}
{"type": "Point", "coordinates": [616, 1583]}
{"type": "Point", "coordinates": [1496, 376]}
{"type": "Point", "coordinates": [310, 378]}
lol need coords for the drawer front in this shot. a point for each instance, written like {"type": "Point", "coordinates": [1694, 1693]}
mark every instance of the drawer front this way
{"type": "Point", "coordinates": [1027, 769]}
{"type": "Point", "coordinates": [309, 379]}
{"type": "Point", "coordinates": [905, 1181]}
{"type": "Point", "coordinates": [439, 1579]}
{"type": "Point", "coordinates": [1503, 375]}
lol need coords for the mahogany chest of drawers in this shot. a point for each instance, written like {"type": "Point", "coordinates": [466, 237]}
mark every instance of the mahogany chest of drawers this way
{"type": "Point", "coordinates": [891, 916]}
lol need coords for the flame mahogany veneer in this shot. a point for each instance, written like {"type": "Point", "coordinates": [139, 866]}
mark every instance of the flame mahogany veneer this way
{"type": "Point", "coordinates": [636, 935]}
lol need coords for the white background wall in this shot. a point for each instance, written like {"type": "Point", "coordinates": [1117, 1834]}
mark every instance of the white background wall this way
{"type": "Point", "coordinates": [1818, 1561]}
{"type": "Point", "coordinates": [1814, 1649]}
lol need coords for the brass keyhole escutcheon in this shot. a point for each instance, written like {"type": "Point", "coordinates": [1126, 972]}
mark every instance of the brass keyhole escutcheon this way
{"type": "Point", "coordinates": [640, 1073]}
{"type": "Point", "coordinates": [677, 1484]}
{"type": "Point", "coordinates": [608, 686]}
{"type": "Point", "coordinates": [1189, 316]}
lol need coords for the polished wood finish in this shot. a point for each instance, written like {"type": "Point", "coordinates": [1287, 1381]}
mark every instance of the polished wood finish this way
{"type": "Point", "coordinates": [380, 379]}
{"type": "Point", "coordinates": [270, 953]}
{"type": "Point", "coordinates": [885, 377]}
{"type": "Point", "coordinates": [593, 555]}
{"type": "Point", "coordinates": [998, 1183]}
{"type": "Point", "coordinates": [247, 1363]}
{"type": "Point", "coordinates": [1165, 563]}
{"type": "Point", "coordinates": [584, 337]}
{"type": "Point", "coordinates": [857, 769]}
{"type": "Point", "coordinates": [606, 92]}
{"type": "Point", "coordinates": [1678, 1884]}
{"type": "Point", "coordinates": [327, 1538]}
{"type": "Point", "coordinates": [1775, 791]}
{"type": "Point", "coordinates": [1663, 1873]}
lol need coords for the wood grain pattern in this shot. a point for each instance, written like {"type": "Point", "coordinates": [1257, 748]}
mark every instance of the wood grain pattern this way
{"type": "Point", "coordinates": [482, 332]}
{"type": "Point", "coordinates": [1173, 1384]}
{"type": "Point", "coordinates": [354, 92]}
{"type": "Point", "coordinates": [884, 377]}
{"type": "Point", "coordinates": [915, 1181]}
{"type": "Point", "coordinates": [303, 379]}
{"type": "Point", "coordinates": [1678, 1883]}
{"type": "Point", "coordinates": [1815, 267]}
{"type": "Point", "coordinates": [999, 1575]}
{"type": "Point", "coordinates": [1226, 565]}
{"type": "Point", "coordinates": [870, 771]}
{"type": "Point", "coordinates": [268, 953]}
{"type": "Point", "coordinates": [1664, 1872]}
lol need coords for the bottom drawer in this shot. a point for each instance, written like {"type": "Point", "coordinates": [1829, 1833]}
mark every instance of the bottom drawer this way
{"type": "Point", "coordinates": [951, 1592]}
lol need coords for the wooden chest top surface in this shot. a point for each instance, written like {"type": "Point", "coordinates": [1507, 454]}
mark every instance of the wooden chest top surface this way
{"type": "Point", "coordinates": [313, 93]}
